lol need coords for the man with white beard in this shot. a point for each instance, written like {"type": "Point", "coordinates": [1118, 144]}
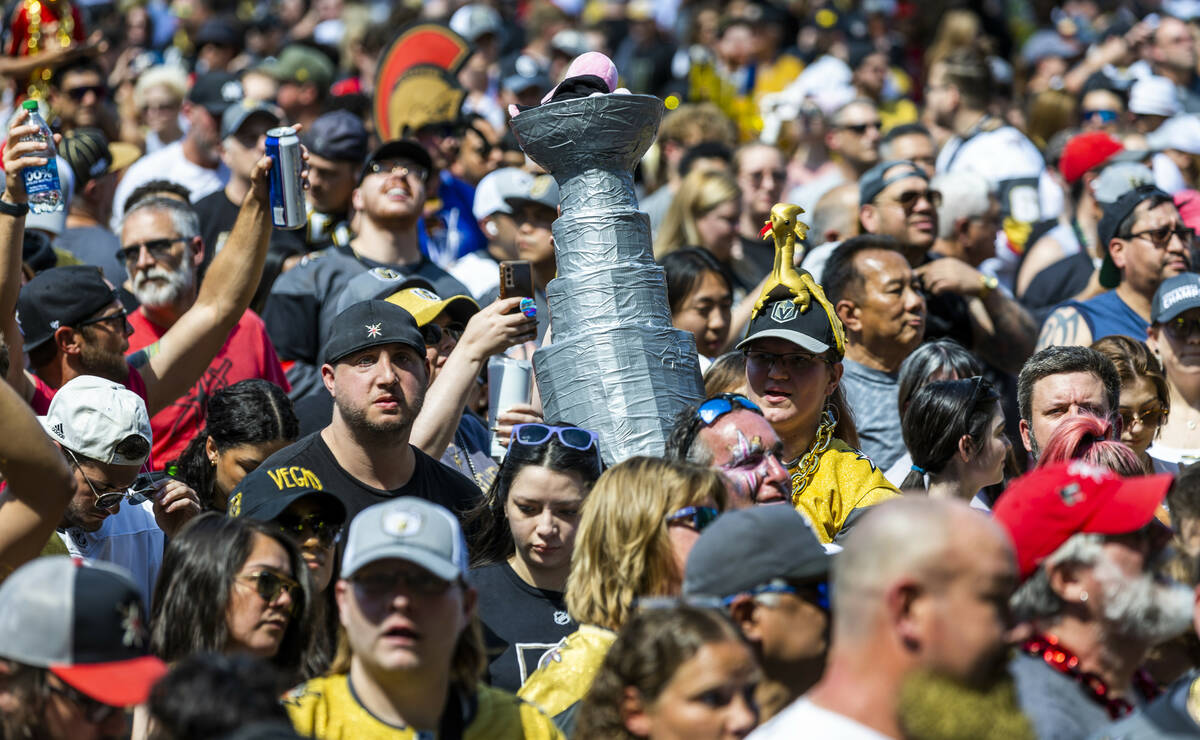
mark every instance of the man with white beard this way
{"type": "Point", "coordinates": [162, 250]}
{"type": "Point", "coordinates": [1088, 549]}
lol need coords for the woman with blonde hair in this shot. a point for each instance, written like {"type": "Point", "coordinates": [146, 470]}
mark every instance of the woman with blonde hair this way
{"type": "Point", "coordinates": [1145, 397]}
{"type": "Point", "coordinates": [704, 213]}
{"type": "Point", "coordinates": [637, 527]}
{"type": "Point", "coordinates": [157, 100]}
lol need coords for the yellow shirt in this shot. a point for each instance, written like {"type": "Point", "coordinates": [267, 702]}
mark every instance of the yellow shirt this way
{"type": "Point", "coordinates": [565, 672]}
{"type": "Point", "coordinates": [843, 485]}
{"type": "Point", "coordinates": [326, 709]}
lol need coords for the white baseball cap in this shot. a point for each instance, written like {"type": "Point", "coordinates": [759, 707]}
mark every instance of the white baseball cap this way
{"type": "Point", "coordinates": [495, 187]}
{"type": "Point", "coordinates": [92, 416]}
{"type": "Point", "coordinates": [1154, 96]}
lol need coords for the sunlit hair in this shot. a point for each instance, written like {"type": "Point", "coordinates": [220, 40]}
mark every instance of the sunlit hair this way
{"type": "Point", "coordinates": [700, 192]}
{"type": "Point", "coordinates": [622, 550]}
{"type": "Point", "coordinates": [1089, 438]}
{"type": "Point", "coordinates": [1134, 361]}
{"type": "Point", "coordinates": [648, 652]}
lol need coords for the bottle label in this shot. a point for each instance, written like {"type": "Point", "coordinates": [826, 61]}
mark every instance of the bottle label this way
{"type": "Point", "coordinates": [41, 179]}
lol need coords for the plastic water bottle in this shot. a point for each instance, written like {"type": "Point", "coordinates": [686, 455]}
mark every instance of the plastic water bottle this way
{"type": "Point", "coordinates": [41, 183]}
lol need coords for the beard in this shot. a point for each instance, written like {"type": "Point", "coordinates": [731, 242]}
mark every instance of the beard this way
{"type": "Point", "coordinates": [96, 360]}
{"type": "Point", "coordinates": [1142, 607]}
{"type": "Point", "coordinates": [168, 286]}
{"type": "Point", "coordinates": [379, 430]}
{"type": "Point", "coordinates": [936, 707]}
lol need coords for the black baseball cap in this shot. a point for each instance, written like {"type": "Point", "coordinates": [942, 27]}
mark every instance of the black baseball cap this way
{"type": "Point", "coordinates": [60, 296]}
{"type": "Point", "coordinates": [371, 324]}
{"type": "Point", "coordinates": [817, 330]}
{"type": "Point", "coordinates": [1110, 222]}
{"type": "Point", "coordinates": [408, 148]}
{"type": "Point", "coordinates": [730, 557]}
{"type": "Point", "coordinates": [873, 181]}
{"type": "Point", "coordinates": [216, 91]}
{"type": "Point", "coordinates": [267, 491]}
{"type": "Point", "coordinates": [338, 135]}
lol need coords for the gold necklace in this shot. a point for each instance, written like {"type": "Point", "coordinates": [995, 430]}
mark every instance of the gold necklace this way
{"type": "Point", "coordinates": [806, 465]}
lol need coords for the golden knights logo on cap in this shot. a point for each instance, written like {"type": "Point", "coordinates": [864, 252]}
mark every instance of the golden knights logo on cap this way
{"type": "Point", "coordinates": [540, 185]}
{"type": "Point", "coordinates": [374, 330]}
{"type": "Point", "coordinates": [402, 523]}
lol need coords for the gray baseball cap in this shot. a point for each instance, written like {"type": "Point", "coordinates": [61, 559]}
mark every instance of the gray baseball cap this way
{"type": "Point", "coordinates": [729, 558]}
{"type": "Point", "coordinates": [542, 190]}
{"type": "Point", "coordinates": [407, 528]}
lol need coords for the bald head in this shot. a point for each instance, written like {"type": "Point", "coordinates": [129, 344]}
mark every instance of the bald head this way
{"type": "Point", "coordinates": [835, 217]}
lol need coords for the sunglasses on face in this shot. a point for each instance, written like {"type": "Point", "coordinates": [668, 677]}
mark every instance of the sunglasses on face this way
{"type": "Point", "coordinates": [95, 712]}
{"type": "Point", "coordinates": [108, 499]}
{"type": "Point", "coordinates": [269, 585]}
{"type": "Point", "coordinates": [433, 334]}
{"type": "Point", "coordinates": [302, 529]}
{"type": "Point", "coordinates": [860, 128]}
{"type": "Point", "coordinates": [909, 198]}
{"type": "Point", "coordinates": [79, 93]}
{"type": "Point", "coordinates": [792, 363]}
{"type": "Point", "coordinates": [1161, 237]}
{"type": "Point", "coordinates": [717, 406]}
{"type": "Point", "coordinates": [1100, 116]}
{"type": "Point", "coordinates": [158, 249]}
{"type": "Point", "coordinates": [403, 169]}
{"type": "Point", "coordinates": [534, 434]}
{"type": "Point", "coordinates": [696, 517]}
{"type": "Point", "coordinates": [1181, 329]}
{"type": "Point", "coordinates": [1149, 419]}
{"type": "Point", "coordinates": [414, 580]}
{"type": "Point", "coordinates": [115, 321]}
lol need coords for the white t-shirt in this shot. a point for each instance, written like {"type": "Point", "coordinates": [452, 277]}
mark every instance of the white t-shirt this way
{"type": "Point", "coordinates": [478, 271]}
{"type": "Point", "coordinates": [167, 163]}
{"type": "Point", "coordinates": [802, 718]}
{"type": "Point", "coordinates": [1001, 155]}
{"type": "Point", "coordinates": [130, 538]}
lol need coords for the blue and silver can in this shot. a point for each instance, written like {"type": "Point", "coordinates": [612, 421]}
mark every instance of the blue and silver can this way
{"type": "Point", "coordinates": [286, 186]}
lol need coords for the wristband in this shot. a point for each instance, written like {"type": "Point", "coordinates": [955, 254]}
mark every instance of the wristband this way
{"type": "Point", "coordinates": [15, 210]}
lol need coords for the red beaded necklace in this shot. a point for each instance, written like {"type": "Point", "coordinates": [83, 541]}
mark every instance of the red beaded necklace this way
{"type": "Point", "coordinates": [1064, 661]}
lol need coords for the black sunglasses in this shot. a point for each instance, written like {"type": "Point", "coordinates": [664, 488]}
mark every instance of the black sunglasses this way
{"type": "Point", "coordinates": [270, 585]}
{"type": "Point", "coordinates": [1181, 329]}
{"type": "Point", "coordinates": [158, 249]}
{"type": "Point", "coordinates": [909, 198]}
{"type": "Point", "coordinates": [79, 93]}
{"type": "Point", "coordinates": [300, 528]}
{"type": "Point", "coordinates": [1161, 237]}
{"type": "Point", "coordinates": [860, 128]}
{"type": "Point", "coordinates": [121, 316]}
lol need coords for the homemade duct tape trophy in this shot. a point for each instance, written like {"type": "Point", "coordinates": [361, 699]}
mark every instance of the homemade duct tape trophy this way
{"type": "Point", "coordinates": [616, 365]}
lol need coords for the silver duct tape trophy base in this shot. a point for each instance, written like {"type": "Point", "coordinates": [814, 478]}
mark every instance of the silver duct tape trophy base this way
{"type": "Point", "coordinates": [615, 365]}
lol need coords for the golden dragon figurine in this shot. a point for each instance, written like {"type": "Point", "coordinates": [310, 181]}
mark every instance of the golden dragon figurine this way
{"type": "Point", "coordinates": [785, 227]}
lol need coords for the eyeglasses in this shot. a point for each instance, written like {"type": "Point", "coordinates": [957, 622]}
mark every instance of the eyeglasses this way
{"type": "Point", "coordinates": [269, 585]}
{"type": "Point", "coordinates": [1103, 116]}
{"type": "Point", "coordinates": [534, 434]}
{"type": "Point", "coordinates": [300, 529]}
{"type": "Point", "coordinates": [717, 406]}
{"type": "Point", "coordinates": [106, 500]}
{"type": "Point", "coordinates": [414, 580]}
{"type": "Point", "coordinates": [415, 171]}
{"type": "Point", "coordinates": [859, 128]}
{"type": "Point", "coordinates": [79, 93]}
{"type": "Point", "coordinates": [1150, 418]}
{"type": "Point", "coordinates": [157, 248]}
{"type": "Point", "coordinates": [792, 363]}
{"type": "Point", "coordinates": [757, 177]}
{"type": "Point", "coordinates": [697, 517]}
{"type": "Point", "coordinates": [115, 321]}
{"type": "Point", "coordinates": [909, 198]}
{"type": "Point", "coordinates": [95, 712]}
{"type": "Point", "coordinates": [817, 593]}
{"type": "Point", "coordinates": [1161, 237]}
{"type": "Point", "coordinates": [1181, 329]}
{"type": "Point", "coordinates": [168, 106]}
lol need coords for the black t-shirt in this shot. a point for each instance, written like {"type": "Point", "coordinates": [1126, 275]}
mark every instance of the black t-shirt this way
{"type": "Point", "coordinates": [758, 259]}
{"type": "Point", "coordinates": [520, 623]}
{"type": "Point", "coordinates": [1057, 282]}
{"type": "Point", "coordinates": [217, 214]}
{"type": "Point", "coordinates": [947, 315]}
{"type": "Point", "coordinates": [430, 480]}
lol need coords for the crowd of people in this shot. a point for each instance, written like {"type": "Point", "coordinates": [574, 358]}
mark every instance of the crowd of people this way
{"type": "Point", "coordinates": [256, 484]}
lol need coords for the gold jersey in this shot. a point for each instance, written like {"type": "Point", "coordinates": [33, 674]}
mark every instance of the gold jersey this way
{"type": "Point", "coordinates": [844, 484]}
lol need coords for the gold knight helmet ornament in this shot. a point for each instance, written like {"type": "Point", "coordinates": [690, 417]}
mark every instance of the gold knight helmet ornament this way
{"type": "Point", "coordinates": [785, 227]}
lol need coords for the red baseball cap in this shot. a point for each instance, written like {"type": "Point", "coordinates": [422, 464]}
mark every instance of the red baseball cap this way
{"type": "Point", "coordinates": [1085, 151]}
{"type": "Point", "coordinates": [1043, 509]}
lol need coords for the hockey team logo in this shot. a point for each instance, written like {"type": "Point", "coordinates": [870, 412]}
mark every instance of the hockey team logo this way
{"type": "Point", "coordinates": [783, 312]}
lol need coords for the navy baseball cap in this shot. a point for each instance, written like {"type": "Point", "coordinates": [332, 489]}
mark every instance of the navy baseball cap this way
{"type": "Point", "coordinates": [215, 92]}
{"type": "Point", "coordinates": [371, 324]}
{"type": "Point", "coordinates": [267, 491]}
{"type": "Point", "coordinates": [338, 135]}
{"type": "Point", "coordinates": [61, 296]}
{"type": "Point", "coordinates": [872, 183]}
{"type": "Point", "coordinates": [1174, 296]}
